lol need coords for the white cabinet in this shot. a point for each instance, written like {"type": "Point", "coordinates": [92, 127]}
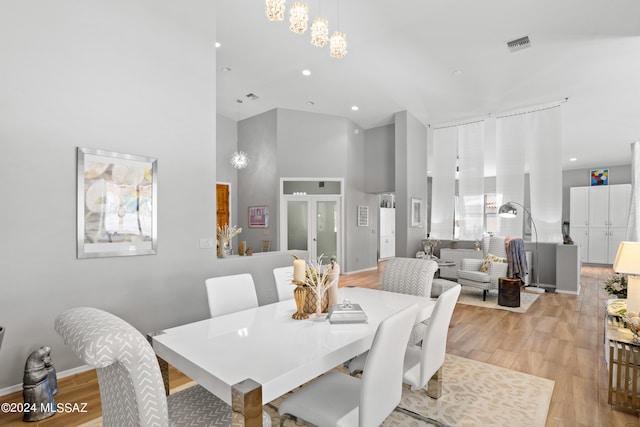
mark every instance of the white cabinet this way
{"type": "Point", "coordinates": [387, 229]}
{"type": "Point", "coordinates": [606, 209]}
{"type": "Point", "coordinates": [580, 236]}
{"type": "Point", "coordinates": [579, 210]}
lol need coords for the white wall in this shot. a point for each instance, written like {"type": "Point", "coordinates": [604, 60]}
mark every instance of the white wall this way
{"type": "Point", "coordinates": [131, 76]}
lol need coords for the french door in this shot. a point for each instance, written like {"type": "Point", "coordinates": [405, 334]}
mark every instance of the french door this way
{"type": "Point", "coordinates": [312, 223]}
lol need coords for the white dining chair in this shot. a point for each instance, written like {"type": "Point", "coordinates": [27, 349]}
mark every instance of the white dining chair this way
{"type": "Point", "coordinates": [228, 294]}
{"type": "Point", "coordinates": [284, 282]}
{"type": "Point", "coordinates": [336, 399]}
{"type": "Point", "coordinates": [422, 362]}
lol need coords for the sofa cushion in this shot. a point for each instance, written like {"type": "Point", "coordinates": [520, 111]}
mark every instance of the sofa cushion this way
{"type": "Point", "coordinates": [489, 259]}
{"type": "Point", "coordinates": [476, 276]}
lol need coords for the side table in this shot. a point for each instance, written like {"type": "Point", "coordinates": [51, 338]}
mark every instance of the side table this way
{"type": "Point", "coordinates": [623, 357]}
{"type": "Point", "coordinates": [508, 292]}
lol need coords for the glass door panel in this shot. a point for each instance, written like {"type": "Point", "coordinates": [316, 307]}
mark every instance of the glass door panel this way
{"type": "Point", "coordinates": [298, 224]}
{"type": "Point", "coordinates": [326, 238]}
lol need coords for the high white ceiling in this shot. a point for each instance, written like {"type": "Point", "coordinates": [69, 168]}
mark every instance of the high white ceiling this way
{"type": "Point", "coordinates": [403, 55]}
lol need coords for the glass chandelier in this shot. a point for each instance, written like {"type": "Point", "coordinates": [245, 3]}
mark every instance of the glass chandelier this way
{"type": "Point", "coordinates": [320, 32]}
{"type": "Point", "coordinates": [274, 10]}
{"type": "Point", "coordinates": [239, 160]}
{"type": "Point", "coordinates": [338, 45]}
{"type": "Point", "coordinates": [299, 17]}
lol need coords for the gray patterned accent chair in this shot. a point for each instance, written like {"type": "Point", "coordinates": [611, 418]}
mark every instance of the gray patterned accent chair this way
{"type": "Point", "coordinates": [412, 276]}
{"type": "Point", "coordinates": [470, 274]}
{"type": "Point", "coordinates": [132, 391]}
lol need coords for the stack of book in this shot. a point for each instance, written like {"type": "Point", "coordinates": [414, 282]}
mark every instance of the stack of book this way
{"type": "Point", "coordinates": [352, 313]}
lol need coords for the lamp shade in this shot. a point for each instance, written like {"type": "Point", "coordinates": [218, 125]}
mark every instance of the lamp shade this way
{"type": "Point", "coordinates": [508, 211]}
{"type": "Point", "coordinates": [628, 258]}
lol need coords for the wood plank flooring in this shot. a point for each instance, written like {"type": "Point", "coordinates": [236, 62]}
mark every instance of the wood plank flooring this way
{"type": "Point", "coordinates": [560, 338]}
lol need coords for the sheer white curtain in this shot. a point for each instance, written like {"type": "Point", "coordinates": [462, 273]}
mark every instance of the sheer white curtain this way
{"type": "Point", "coordinates": [443, 182]}
{"type": "Point", "coordinates": [544, 157]}
{"type": "Point", "coordinates": [633, 227]}
{"type": "Point", "coordinates": [471, 180]}
{"type": "Point", "coordinates": [510, 154]}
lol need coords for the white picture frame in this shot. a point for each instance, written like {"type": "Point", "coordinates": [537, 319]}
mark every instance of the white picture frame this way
{"type": "Point", "coordinates": [416, 212]}
{"type": "Point", "coordinates": [363, 216]}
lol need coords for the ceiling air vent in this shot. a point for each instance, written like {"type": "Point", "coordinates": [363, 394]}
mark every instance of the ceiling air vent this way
{"type": "Point", "coordinates": [519, 44]}
{"type": "Point", "coordinates": [252, 96]}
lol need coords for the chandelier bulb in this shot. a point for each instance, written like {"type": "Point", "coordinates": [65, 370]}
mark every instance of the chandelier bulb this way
{"type": "Point", "coordinates": [320, 32]}
{"type": "Point", "coordinates": [274, 9]}
{"type": "Point", "coordinates": [338, 45]}
{"type": "Point", "coordinates": [299, 18]}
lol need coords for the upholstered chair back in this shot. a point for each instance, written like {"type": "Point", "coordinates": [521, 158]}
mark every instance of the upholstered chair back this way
{"type": "Point", "coordinates": [131, 387]}
{"type": "Point", "coordinates": [494, 245]}
{"type": "Point", "coordinates": [412, 276]}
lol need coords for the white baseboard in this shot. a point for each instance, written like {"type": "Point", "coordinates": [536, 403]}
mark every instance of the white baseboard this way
{"type": "Point", "coordinates": [61, 374]}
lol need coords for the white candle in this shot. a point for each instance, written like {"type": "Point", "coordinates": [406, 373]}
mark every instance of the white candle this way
{"type": "Point", "coordinates": [299, 270]}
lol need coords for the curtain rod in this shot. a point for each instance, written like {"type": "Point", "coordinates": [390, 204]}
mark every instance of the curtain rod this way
{"type": "Point", "coordinates": [505, 115]}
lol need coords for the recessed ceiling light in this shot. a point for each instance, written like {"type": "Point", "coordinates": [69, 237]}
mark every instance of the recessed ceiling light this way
{"type": "Point", "coordinates": [573, 159]}
{"type": "Point", "coordinates": [457, 73]}
{"type": "Point", "coordinates": [355, 108]}
{"type": "Point", "coordinates": [306, 72]}
{"type": "Point", "coordinates": [218, 44]}
{"type": "Point", "coordinates": [225, 69]}
{"type": "Point", "coordinates": [311, 103]}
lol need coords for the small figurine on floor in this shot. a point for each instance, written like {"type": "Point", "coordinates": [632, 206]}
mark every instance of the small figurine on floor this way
{"type": "Point", "coordinates": [37, 391]}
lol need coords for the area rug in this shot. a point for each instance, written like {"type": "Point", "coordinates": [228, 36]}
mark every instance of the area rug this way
{"type": "Point", "coordinates": [473, 296]}
{"type": "Point", "coordinates": [473, 394]}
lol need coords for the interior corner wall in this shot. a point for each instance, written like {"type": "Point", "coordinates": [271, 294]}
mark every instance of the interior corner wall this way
{"type": "Point", "coordinates": [130, 76]}
{"type": "Point", "coordinates": [226, 145]}
{"type": "Point", "coordinates": [379, 156]}
{"type": "Point", "coordinates": [258, 183]}
{"type": "Point", "coordinates": [410, 181]}
{"type": "Point", "coordinates": [361, 241]}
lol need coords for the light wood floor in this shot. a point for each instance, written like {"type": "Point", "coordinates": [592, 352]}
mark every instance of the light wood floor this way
{"type": "Point", "coordinates": [560, 338]}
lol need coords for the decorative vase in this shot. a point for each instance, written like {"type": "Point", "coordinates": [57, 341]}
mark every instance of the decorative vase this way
{"type": "Point", "coordinates": [311, 303]}
{"type": "Point", "coordinates": [300, 295]}
{"type": "Point", "coordinates": [225, 249]}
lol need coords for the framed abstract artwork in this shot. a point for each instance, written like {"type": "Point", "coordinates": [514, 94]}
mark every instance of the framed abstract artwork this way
{"type": "Point", "coordinates": [258, 217]}
{"type": "Point", "coordinates": [116, 204]}
{"type": "Point", "coordinates": [599, 177]}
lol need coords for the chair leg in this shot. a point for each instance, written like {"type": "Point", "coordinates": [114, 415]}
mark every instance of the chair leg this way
{"type": "Point", "coordinates": [484, 295]}
{"type": "Point", "coordinates": [421, 417]}
{"type": "Point", "coordinates": [434, 386]}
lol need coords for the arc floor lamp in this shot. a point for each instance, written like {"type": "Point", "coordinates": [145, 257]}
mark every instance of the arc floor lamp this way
{"type": "Point", "coordinates": [509, 210]}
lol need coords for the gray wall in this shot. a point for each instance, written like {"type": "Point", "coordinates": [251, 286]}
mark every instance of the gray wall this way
{"type": "Point", "coordinates": [410, 181]}
{"type": "Point", "coordinates": [296, 144]}
{"type": "Point", "coordinates": [379, 156]}
{"type": "Point", "coordinates": [116, 76]}
{"type": "Point", "coordinates": [258, 183]}
{"type": "Point", "coordinates": [226, 144]}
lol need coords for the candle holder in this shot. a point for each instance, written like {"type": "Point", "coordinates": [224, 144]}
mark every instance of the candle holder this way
{"type": "Point", "coordinates": [300, 295]}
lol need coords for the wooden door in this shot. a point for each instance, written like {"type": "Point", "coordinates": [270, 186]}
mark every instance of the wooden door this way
{"type": "Point", "coordinates": [222, 204]}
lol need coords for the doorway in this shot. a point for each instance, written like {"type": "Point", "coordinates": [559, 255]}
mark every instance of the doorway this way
{"type": "Point", "coordinates": [222, 204]}
{"type": "Point", "coordinates": [312, 222]}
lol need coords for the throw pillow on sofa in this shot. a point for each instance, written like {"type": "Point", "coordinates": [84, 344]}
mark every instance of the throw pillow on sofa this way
{"type": "Point", "coordinates": [488, 260]}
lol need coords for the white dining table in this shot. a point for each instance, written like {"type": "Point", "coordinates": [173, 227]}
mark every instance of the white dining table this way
{"type": "Point", "coordinates": [265, 344]}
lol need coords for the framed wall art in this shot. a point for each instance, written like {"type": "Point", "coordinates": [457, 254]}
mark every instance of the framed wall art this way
{"type": "Point", "coordinates": [258, 217]}
{"type": "Point", "coordinates": [416, 212]}
{"type": "Point", "coordinates": [599, 177]}
{"type": "Point", "coordinates": [363, 216]}
{"type": "Point", "coordinates": [116, 204]}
